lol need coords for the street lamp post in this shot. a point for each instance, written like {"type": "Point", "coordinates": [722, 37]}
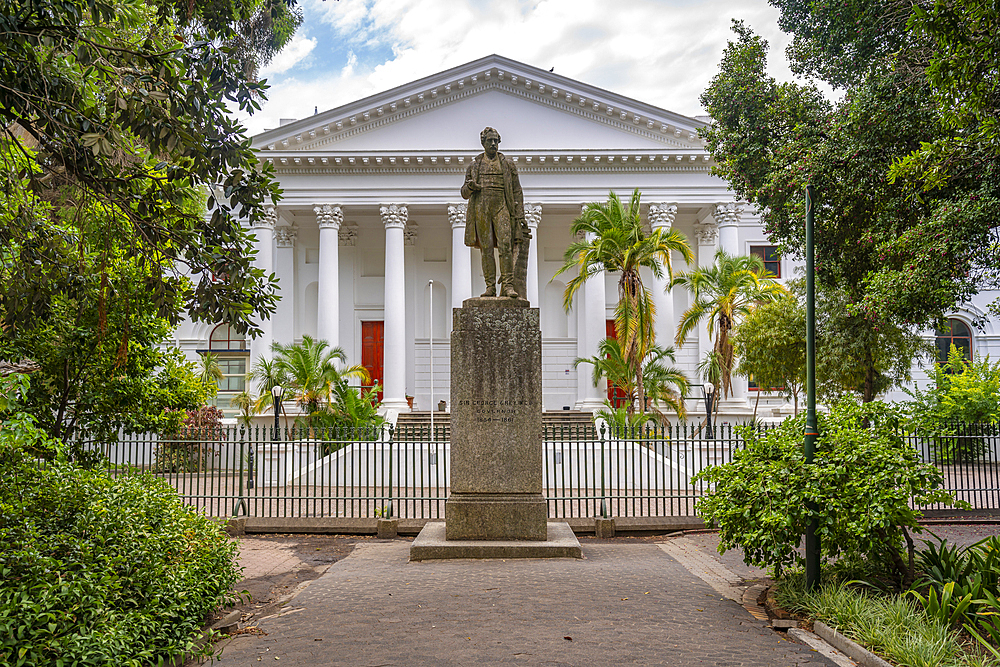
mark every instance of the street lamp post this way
{"type": "Point", "coordinates": [709, 396]}
{"type": "Point", "coordinates": [430, 347]}
{"type": "Point", "coordinates": [812, 540]}
{"type": "Point", "coordinates": [276, 393]}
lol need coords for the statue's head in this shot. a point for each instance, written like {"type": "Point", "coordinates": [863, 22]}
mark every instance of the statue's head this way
{"type": "Point", "coordinates": [490, 139]}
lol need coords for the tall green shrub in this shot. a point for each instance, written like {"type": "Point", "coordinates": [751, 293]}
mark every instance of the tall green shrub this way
{"type": "Point", "coordinates": [859, 488]}
{"type": "Point", "coordinates": [99, 570]}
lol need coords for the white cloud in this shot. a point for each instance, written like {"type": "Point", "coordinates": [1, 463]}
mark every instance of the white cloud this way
{"type": "Point", "coordinates": [348, 70]}
{"type": "Point", "coordinates": [297, 50]}
{"type": "Point", "coordinates": [663, 52]}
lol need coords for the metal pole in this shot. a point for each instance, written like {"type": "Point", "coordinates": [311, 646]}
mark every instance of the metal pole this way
{"type": "Point", "coordinates": [276, 392]}
{"type": "Point", "coordinates": [709, 389]}
{"type": "Point", "coordinates": [430, 345]}
{"type": "Point", "coordinates": [812, 429]}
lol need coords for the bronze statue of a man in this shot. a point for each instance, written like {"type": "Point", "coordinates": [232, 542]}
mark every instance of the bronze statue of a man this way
{"type": "Point", "coordinates": [495, 215]}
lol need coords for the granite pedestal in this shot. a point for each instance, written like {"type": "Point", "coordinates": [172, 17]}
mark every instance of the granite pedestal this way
{"type": "Point", "coordinates": [496, 496]}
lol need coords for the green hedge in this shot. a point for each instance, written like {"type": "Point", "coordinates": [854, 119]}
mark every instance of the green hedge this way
{"type": "Point", "coordinates": [96, 570]}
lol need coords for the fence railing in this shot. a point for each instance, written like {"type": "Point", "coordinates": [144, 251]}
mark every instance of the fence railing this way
{"type": "Point", "coordinates": [969, 458]}
{"type": "Point", "coordinates": [403, 472]}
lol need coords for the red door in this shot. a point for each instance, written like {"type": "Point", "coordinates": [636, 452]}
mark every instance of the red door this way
{"type": "Point", "coordinates": [372, 341]}
{"type": "Point", "coordinates": [616, 395]}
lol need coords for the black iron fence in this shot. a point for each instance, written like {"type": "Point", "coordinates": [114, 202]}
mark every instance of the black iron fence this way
{"type": "Point", "coordinates": [403, 472]}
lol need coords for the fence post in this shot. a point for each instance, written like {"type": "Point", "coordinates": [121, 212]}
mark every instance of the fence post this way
{"type": "Point", "coordinates": [241, 502]}
{"type": "Point", "coordinates": [604, 496]}
{"type": "Point", "coordinates": [388, 509]}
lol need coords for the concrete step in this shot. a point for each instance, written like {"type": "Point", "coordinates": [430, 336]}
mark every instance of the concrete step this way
{"type": "Point", "coordinates": [572, 422]}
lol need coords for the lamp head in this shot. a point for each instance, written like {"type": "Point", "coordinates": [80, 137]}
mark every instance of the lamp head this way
{"type": "Point", "coordinates": [709, 388]}
{"type": "Point", "coordinates": [277, 391]}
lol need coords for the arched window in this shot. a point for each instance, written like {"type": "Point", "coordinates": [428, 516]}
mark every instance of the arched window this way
{"type": "Point", "coordinates": [231, 348]}
{"type": "Point", "coordinates": [225, 339]}
{"type": "Point", "coordinates": [957, 333]}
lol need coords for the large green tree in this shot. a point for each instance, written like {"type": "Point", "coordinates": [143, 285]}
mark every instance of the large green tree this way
{"type": "Point", "coordinates": [952, 46]}
{"type": "Point", "coordinates": [90, 328]}
{"type": "Point", "coordinates": [114, 131]}
{"type": "Point", "coordinates": [900, 256]}
{"type": "Point", "coordinates": [615, 241]}
{"type": "Point", "coordinates": [125, 105]}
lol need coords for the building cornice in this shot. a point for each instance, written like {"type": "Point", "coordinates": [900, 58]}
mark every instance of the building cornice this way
{"type": "Point", "coordinates": [409, 162]}
{"type": "Point", "coordinates": [492, 73]}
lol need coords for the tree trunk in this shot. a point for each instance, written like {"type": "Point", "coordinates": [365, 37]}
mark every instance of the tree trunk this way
{"type": "Point", "coordinates": [640, 388]}
{"type": "Point", "coordinates": [868, 393]}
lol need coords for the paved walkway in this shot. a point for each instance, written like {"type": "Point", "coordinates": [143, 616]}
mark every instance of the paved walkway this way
{"type": "Point", "coordinates": [622, 604]}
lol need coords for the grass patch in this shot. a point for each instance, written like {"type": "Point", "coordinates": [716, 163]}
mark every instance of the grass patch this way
{"type": "Point", "coordinates": [894, 627]}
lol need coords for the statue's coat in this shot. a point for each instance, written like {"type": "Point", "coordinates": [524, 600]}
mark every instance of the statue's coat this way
{"type": "Point", "coordinates": [478, 230]}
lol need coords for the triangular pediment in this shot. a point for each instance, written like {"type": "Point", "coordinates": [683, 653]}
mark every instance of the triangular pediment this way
{"type": "Point", "coordinates": [534, 110]}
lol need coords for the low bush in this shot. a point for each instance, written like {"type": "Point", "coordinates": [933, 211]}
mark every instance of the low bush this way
{"type": "Point", "coordinates": [96, 570]}
{"type": "Point", "coordinates": [959, 586]}
{"type": "Point", "coordinates": [859, 489]}
{"type": "Point", "coordinates": [194, 445]}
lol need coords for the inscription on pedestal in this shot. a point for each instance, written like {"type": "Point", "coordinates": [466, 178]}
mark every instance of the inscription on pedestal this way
{"type": "Point", "coordinates": [488, 412]}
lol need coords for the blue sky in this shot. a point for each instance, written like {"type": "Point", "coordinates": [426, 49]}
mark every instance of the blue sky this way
{"type": "Point", "coordinates": [663, 52]}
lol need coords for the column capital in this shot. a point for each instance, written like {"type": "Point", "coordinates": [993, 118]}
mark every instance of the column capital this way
{"type": "Point", "coordinates": [662, 215]}
{"type": "Point", "coordinates": [727, 214]}
{"type": "Point", "coordinates": [394, 216]}
{"type": "Point", "coordinates": [456, 214]}
{"type": "Point", "coordinates": [533, 215]}
{"type": "Point", "coordinates": [267, 220]}
{"type": "Point", "coordinates": [410, 233]}
{"type": "Point", "coordinates": [707, 232]}
{"type": "Point", "coordinates": [348, 236]}
{"type": "Point", "coordinates": [329, 216]}
{"type": "Point", "coordinates": [284, 236]}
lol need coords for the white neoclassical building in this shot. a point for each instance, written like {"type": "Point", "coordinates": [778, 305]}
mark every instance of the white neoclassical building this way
{"type": "Point", "coordinates": [368, 240]}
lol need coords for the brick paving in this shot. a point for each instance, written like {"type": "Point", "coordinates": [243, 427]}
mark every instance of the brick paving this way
{"type": "Point", "coordinates": [261, 557]}
{"type": "Point", "coordinates": [622, 604]}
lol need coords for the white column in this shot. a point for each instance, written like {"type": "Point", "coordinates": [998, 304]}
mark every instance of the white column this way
{"type": "Point", "coordinates": [329, 218]}
{"type": "Point", "coordinates": [284, 267]}
{"type": "Point", "coordinates": [583, 371]}
{"type": "Point", "coordinates": [461, 257]}
{"type": "Point", "coordinates": [394, 218]}
{"type": "Point", "coordinates": [661, 216]}
{"type": "Point", "coordinates": [533, 215]}
{"type": "Point", "coordinates": [594, 331]}
{"type": "Point", "coordinates": [707, 233]}
{"type": "Point", "coordinates": [263, 230]}
{"type": "Point", "coordinates": [727, 215]}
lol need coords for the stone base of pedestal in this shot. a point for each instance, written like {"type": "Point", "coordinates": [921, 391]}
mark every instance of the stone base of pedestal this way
{"type": "Point", "coordinates": [431, 544]}
{"type": "Point", "coordinates": [496, 516]}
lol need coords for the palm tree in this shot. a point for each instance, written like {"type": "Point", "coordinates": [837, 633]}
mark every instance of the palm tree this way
{"type": "Point", "coordinates": [245, 403]}
{"type": "Point", "coordinates": [725, 293]}
{"type": "Point", "coordinates": [615, 241]}
{"type": "Point", "coordinates": [308, 369]}
{"type": "Point", "coordinates": [210, 372]}
{"type": "Point", "coordinates": [267, 375]}
{"type": "Point", "coordinates": [663, 384]}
